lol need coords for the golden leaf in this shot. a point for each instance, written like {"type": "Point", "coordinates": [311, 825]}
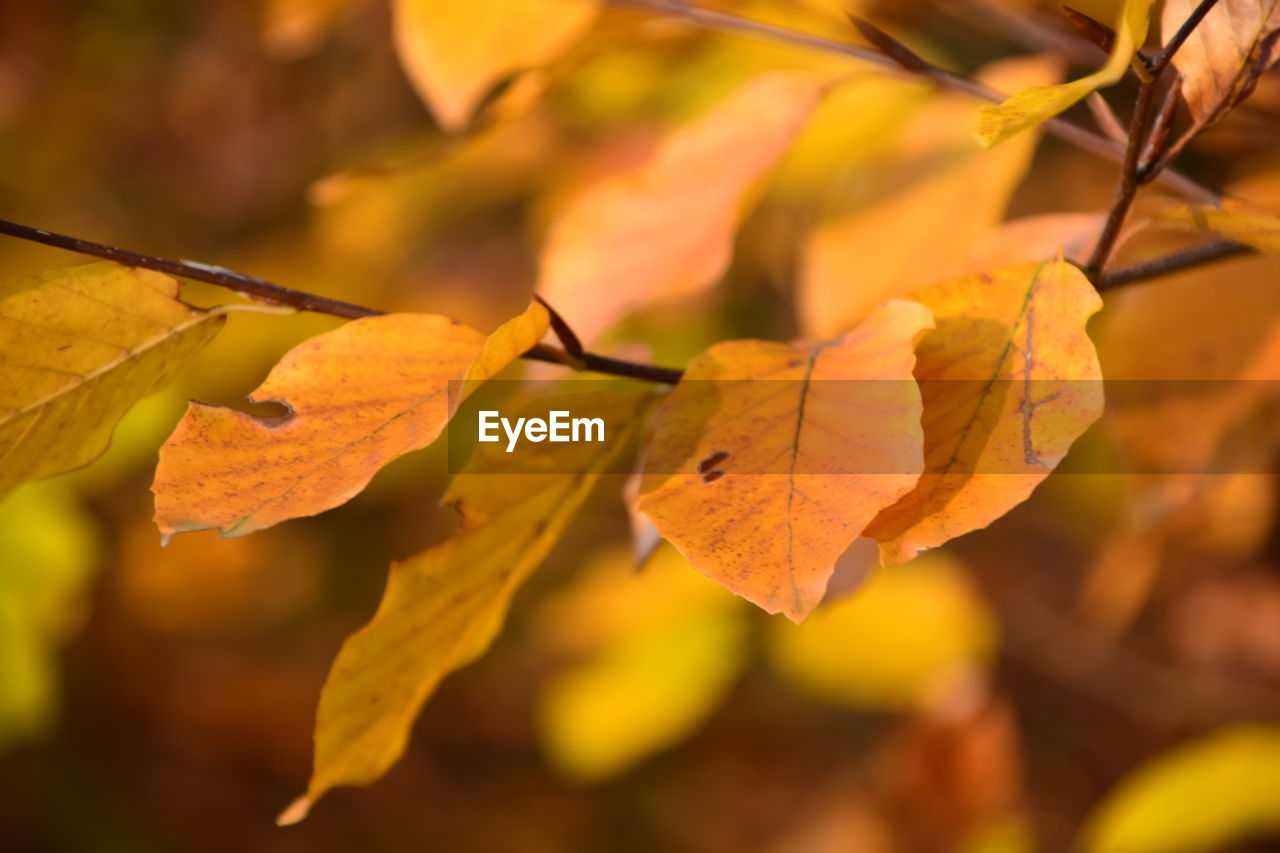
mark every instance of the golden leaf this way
{"type": "Point", "coordinates": [762, 469]}
{"type": "Point", "coordinates": [1010, 380]}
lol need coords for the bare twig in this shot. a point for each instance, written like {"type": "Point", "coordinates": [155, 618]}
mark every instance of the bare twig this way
{"type": "Point", "coordinates": [1068, 132]}
{"type": "Point", "coordinates": [1162, 59]}
{"type": "Point", "coordinates": [265, 291]}
{"type": "Point", "coordinates": [1171, 263]}
{"type": "Point", "coordinates": [1130, 182]}
{"type": "Point", "coordinates": [1105, 118]}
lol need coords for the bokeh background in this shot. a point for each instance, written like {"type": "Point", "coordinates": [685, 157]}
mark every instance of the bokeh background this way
{"type": "Point", "coordinates": [1109, 654]}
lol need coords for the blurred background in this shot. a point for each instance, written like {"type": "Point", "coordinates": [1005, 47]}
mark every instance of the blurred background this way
{"type": "Point", "coordinates": [1103, 663]}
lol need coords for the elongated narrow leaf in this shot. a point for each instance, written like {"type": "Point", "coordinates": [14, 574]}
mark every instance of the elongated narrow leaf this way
{"type": "Point", "coordinates": [769, 458]}
{"type": "Point", "coordinates": [443, 606]}
{"type": "Point", "coordinates": [1010, 379]}
{"type": "Point", "coordinates": [1032, 106]}
{"type": "Point", "coordinates": [454, 51]}
{"type": "Point", "coordinates": [665, 228]}
{"type": "Point", "coordinates": [78, 347]}
{"type": "Point", "coordinates": [358, 397]}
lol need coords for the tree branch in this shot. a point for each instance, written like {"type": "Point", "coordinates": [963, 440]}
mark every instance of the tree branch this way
{"type": "Point", "coordinates": [265, 291]}
{"type": "Point", "coordinates": [1068, 132]}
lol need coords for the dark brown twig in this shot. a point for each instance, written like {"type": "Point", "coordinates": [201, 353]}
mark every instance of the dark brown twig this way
{"type": "Point", "coordinates": [568, 337]}
{"type": "Point", "coordinates": [1171, 263]}
{"type": "Point", "coordinates": [1162, 59]}
{"type": "Point", "coordinates": [1130, 181]}
{"type": "Point", "coordinates": [265, 291]}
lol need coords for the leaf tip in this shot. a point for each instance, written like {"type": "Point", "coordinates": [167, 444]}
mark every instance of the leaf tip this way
{"type": "Point", "coordinates": [295, 812]}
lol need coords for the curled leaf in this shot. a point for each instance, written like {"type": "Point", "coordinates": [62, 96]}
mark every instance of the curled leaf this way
{"type": "Point", "coordinates": [1010, 379]}
{"type": "Point", "coordinates": [1032, 106]}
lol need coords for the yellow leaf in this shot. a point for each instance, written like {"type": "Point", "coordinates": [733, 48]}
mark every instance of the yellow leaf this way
{"type": "Point", "coordinates": [1203, 795]}
{"type": "Point", "coordinates": [763, 469]}
{"type": "Point", "coordinates": [1010, 380]}
{"type": "Point", "coordinates": [656, 651]}
{"type": "Point", "coordinates": [47, 554]}
{"type": "Point", "coordinates": [1032, 106]}
{"type": "Point", "coordinates": [1234, 220]}
{"type": "Point", "coordinates": [912, 634]}
{"type": "Point", "coordinates": [454, 51]}
{"type": "Point", "coordinates": [358, 397]}
{"type": "Point", "coordinates": [665, 227]}
{"type": "Point", "coordinates": [1215, 56]}
{"type": "Point", "coordinates": [443, 606]}
{"type": "Point", "coordinates": [78, 347]}
{"type": "Point", "coordinates": [914, 237]}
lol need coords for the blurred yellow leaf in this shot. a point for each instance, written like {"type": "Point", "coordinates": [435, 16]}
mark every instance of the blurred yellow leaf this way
{"type": "Point", "coordinates": [768, 459]}
{"type": "Point", "coordinates": [47, 553]}
{"type": "Point", "coordinates": [1234, 220]}
{"type": "Point", "coordinates": [78, 347]}
{"type": "Point", "coordinates": [1010, 379]}
{"type": "Point", "coordinates": [657, 649]}
{"type": "Point", "coordinates": [454, 51]}
{"type": "Point", "coordinates": [914, 237]}
{"type": "Point", "coordinates": [665, 227]}
{"type": "Point", "coordinates": [443, 607]}
{"type": "Point", "coordinates": [1032, 106]}
{"type": "Point", "coordinates": [1199, 796]}
{"type": "Point", "coordinates": [358, 397]}
{"type": "Point", "coordinates": [912, 633]}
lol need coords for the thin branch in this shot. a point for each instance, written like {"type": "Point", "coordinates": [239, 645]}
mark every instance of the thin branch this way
{"type": "Point", "coordinates": [265, 291]}
{"type": "Point", "coordinates": [1171, 263]}
{"type": "Point", "coordinates": [246, 285]}
{"type": "Point", "coordinates": [1068, 132]}
{"type": "Point", "coordinates": [1130, 182]}
{"type": "Point", "coordinates": [1162, 59]}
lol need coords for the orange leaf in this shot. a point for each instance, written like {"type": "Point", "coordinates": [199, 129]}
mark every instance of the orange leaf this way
{"type": "Point", "coordinates": [358, 397]}
{"type": "Point", "coordinates": [914, 236]}
{"type": "Point", "coordinates": [665, 228]}
{"type": "Point", "coordinates": [454, 51]}
{"type": "Point", "coordinates": [761, 473]}
{"type": "Point", "coordinates": [998, 414]}
{"type": "Point", "coordinates": [1218, 53]}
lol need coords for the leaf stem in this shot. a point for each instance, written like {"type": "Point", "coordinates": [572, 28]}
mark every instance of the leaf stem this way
{"type": "Point", "coordinates": [274, 294]}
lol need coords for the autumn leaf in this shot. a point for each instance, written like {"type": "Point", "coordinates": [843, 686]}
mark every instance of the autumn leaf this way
{"type": "Point", "coordinates": [852, 263]}
{"type": "Point", "coordinates": [1203, 795]}
{"type": "Point", "coordinates": [1216, 59]}
{"type": "Point", "coordinates": [1234, 220]}
{"type": "Point", "coordinates": [454, 51]}
{"type": "Point", "coordinates": [665, 227]}
{"type": "Point", "coordinates": [442, 607]}
{"type": "Point", "coordinates": [1009, 380]}
{"type": "Point", "coordinates": [358, 397]}
{"type": "Point", "coordinates": [1032, 106]}
{"type": "Point", "coordinates": [911, 637]}
{"type": "Point", "coordinates": [652, 654]}
{"type": "Point", "coordinates": [78, 347]}
{"type": "Point", "coordinates": [762, 470]}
